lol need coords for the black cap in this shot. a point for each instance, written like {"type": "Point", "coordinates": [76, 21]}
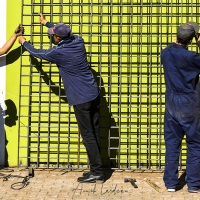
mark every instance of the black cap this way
{"type": "Point", "coordinates": [187, 31]}
{"type": "Point", "coordinates": [195, 26]}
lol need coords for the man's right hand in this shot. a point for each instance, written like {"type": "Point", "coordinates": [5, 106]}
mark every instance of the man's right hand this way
{"type": "Point", "coordinates": [19, 30]}
{"type": "Point", "coordinates": [198, 38]}
{"type": "Point", "coordinates": [42, 19]}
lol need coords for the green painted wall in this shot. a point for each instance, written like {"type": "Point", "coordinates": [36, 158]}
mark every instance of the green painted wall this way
{"type": "Point", "coordinates": [13, 78]}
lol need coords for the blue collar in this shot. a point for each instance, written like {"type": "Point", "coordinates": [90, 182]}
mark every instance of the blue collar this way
{"type": "Point", "coordinates": [178, 46]}
{"type": "Point", "coordinates": [67, 40]}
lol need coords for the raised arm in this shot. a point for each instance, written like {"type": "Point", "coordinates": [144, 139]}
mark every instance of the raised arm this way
{"type": "Point", "coordinates": [6, 47]}
{"type": "Point", "coordinates": [45, 22]}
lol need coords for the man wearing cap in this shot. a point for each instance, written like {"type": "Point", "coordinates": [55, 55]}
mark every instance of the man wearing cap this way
{"type": "Point", "coordinates": [80, 87]}
{"type": "Point", "coordinates": [182, 111]}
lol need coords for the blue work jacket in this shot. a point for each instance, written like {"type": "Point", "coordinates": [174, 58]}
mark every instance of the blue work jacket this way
{"type": "Point", "coordinates": [181, 69]}
{"type": "Point", "coordinates": [70, 57]}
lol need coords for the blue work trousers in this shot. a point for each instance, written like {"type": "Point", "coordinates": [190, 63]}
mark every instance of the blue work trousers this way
{"type": "Point", "coordinates": [87, 115]}
{"type": "Point", "coordinates": [182, 116]}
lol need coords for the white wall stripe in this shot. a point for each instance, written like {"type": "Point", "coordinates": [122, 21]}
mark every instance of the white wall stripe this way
{"type": "Point", "coordinates": [2, 80]}
{"type": "Point", "coordinates": [2, 58]}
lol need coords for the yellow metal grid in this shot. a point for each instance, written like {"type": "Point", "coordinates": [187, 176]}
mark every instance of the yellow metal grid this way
{"type": "Point", "coordinates": [123, 39]}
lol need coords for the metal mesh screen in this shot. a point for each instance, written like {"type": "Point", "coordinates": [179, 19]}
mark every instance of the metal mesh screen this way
{"type": "Point", "coordinates": [123, 39]}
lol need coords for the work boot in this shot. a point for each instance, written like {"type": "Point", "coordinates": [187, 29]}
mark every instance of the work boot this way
{"type": "Point", "coordinates": [90, 178]}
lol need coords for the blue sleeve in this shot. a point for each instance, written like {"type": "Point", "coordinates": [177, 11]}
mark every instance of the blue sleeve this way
{"type": "Point", "coordinates": [49, 25]}
{"type": "Point", "coordinates": [49, 55]}
{"type": "Point", "coordinates": [195, 59]}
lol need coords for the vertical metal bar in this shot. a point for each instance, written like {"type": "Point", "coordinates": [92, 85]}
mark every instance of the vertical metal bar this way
{"type": "Point", "coordinates": [90, 28]}
{"type": "Point", "coordinates": [80, 32]}
{"type": "Point", "coordinates": [110, 36]}
{"type": "Point", "coordinates": [30, 95]}
{"type": "Point", "coordinates": [68, 131]}
{"type": "Point", "coordinates": [130, 41]}
{"type": "Point", "coordinates": [159, 80]}
{"type": "Point", "coordinates": [139, 85]}
{"type": "Point", "coordinates": [149, 86]}
{"type": "Point", "coordinates": [120, 71]}
{"type": "Point", "coordinates": [100, 13]}
{"type": "Point", "coordinates": [70, 12]}
{"type": "Point", "coordinates": [69, 108]}
{"type": "Point", "coordinates": [49, 103]}
{"type": "Point", "coordinates": [49, 118]}
{"type": "Point", "coordinates": [80, 16]}
{"type": "Point", "coordinates": [61, 10]}
{"type": "Point", "coordinates": [171, 19]}
{"type": "Point", "coordinates": [59, 101]}
{"type": "Point", "coordinates": [39, 93]}
{"type": "Point", "coordinates": [20, 98]}
{"type": "Point", "coordinates": [110, 57]}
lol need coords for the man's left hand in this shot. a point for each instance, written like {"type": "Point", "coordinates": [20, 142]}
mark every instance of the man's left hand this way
{"type": "Point", "coordinates": [21, 39]}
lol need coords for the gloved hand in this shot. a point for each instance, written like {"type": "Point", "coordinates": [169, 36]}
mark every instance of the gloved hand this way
{"type": "Point", "coordinates": [19, 30]}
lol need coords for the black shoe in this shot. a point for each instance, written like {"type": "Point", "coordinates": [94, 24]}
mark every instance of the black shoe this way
{"type": "Point", "coordinates": [91, 179]}
{"type": "Point", "coordinates": [194, 190]}
{"type": "Point", "coordinates": [86, 173]}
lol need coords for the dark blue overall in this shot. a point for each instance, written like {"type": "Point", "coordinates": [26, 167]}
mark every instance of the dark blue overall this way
{"type": "Point", "coordinates": [182, 114]}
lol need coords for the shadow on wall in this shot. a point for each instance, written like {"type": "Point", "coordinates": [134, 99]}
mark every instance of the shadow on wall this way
{"type": "Point", "coordinates": [2, 138]}
{"type": "Point", "coordinates": [12, 56]}
{"type": "Point", "coordinates": [108, 130]}
{"type": "Point", "coordinates": [109, 146]}
{"type": "Point", "coordinates": [9, 117]}
{"type": "Point", "coordinates": [56, 90]}
{"type": "Point", "coordinates": [11, 113]}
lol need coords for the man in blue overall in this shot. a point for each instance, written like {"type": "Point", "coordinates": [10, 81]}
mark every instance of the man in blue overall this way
{"type": "Point", "coordinates": [80, 87]}
{"type": "Point", "coordinates": [182, 114]}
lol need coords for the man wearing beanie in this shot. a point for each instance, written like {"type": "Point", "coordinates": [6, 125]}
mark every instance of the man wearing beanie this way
{"type": "Point", "coordinates": [182, 107]}
{"type": "Point", "coordinates": [80, 87]}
